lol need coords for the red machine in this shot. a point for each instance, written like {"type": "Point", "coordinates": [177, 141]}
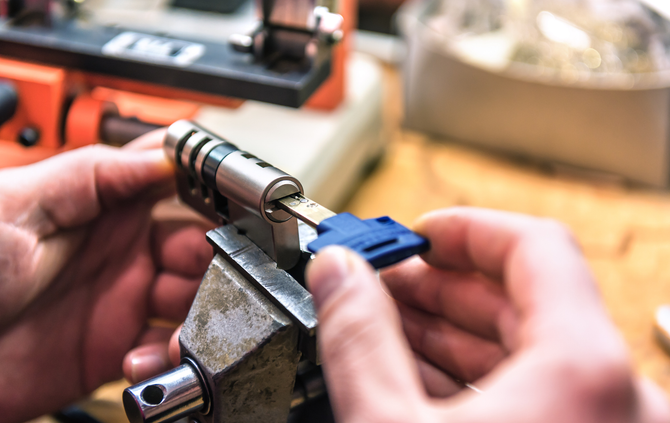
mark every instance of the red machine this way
{"type": "Point", "coordinates": [54, 97]}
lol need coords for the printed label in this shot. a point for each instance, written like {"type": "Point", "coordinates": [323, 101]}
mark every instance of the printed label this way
{"type": "Point", "coordinates": [150, 48]}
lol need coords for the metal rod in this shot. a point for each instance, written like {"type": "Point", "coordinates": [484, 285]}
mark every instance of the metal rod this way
{"type": "Point", "coordinates": [166, 397]}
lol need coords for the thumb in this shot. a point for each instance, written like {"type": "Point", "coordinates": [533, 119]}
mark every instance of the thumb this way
{"type": "Point", "coordinates": [368, 364]}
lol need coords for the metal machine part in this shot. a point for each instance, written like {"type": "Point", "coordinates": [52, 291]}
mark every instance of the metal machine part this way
{"type": "Point", "coordinates": [8, 101]}
{"type": "Point", "coordinates": [117, 130]}
{"type": "Point", "coordinates": [244, 345]}
{"type": "Point", "coordinates": [165, 398]}
{"type": "Point", "coordinates": [179, 392]}
{"type": "Point", "coordinates": [246, 349]}
{"type": "Point", "coordinates": [291, 28]}
{"type": "Point", "coordinates": [277, 76]}
{"type": "Point", "coordinates": [305, 209]}
{"type": "Point", "coordinates": [218, 70]}
{"type": "Point", "coordinates": [252, 321]}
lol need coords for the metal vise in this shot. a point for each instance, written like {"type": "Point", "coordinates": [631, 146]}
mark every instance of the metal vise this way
{"type": "Point", "coordinates": [248, 345]}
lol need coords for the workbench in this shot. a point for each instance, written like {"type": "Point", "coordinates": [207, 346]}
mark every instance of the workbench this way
{"type": "Point", "coordinates": [624, 230]}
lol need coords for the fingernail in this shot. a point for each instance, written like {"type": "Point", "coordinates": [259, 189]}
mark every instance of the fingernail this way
{"type": "Point", "coordinates": [327, 272]}
{"type": "Point", "coordinates": [143, 366]}
{"type": "Point", "coordinates": [419, 224]}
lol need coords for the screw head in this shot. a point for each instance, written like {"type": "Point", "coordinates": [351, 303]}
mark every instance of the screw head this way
{"type": "Point", "coordinates": [29, 136]}
{"type": "Point", "coordinates": [241, 43]}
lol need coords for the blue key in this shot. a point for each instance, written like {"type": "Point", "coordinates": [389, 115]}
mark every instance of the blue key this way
{"type": "Point", "coordinates": [381, 241]}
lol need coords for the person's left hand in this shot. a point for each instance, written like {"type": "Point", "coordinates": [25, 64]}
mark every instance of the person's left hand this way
{"type": "Point", "coordinates": [83, 266]}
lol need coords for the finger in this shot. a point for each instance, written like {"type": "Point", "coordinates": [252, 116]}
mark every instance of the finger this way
{"type": "Point", "coordinates": [155, 334]}
{"type": "Point", "coordinates": [145, 174]}
{"type": "Point", "coordinates": [452, 350]}
{"type": "Point", "coordinates": [146, 361]}
{"type": "Point", "coordinates": [72, 188]}
{"type": "Point", "coordinates": [173, 347]}
{"type": "Point", "coordinates": [437, 383]}
{"type": "Point", "coordinates": [151, 356]}
{"type": "Point", "coordinates": [543, 269]}
{"type": "Point", "coordinates": [468, 300]}
{"type": "Point", "coordinates": [172, 295]}
{"type": "Point", "coordinates": [150, 140]}
{"type": "Point", "coordinates": [180, 247]}
{"type": "Point", "coordinates": [364, 352]}
{"type": "Point", "coordinates": [472, 239]}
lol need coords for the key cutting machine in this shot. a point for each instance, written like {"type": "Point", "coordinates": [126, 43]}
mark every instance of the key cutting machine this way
{"type": "Point", "coordinates": [64, 78]}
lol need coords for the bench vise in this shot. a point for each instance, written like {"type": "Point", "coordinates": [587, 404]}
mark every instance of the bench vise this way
{"type": "Point", "coordinates": [248, 345]}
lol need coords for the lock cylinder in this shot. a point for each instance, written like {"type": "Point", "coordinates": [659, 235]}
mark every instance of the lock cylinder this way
{"type": "Point", "coordinates": [240, 176]}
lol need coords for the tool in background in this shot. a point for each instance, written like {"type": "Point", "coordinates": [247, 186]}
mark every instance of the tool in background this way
{"type": "Point", "coordinates": [248, 345]}
{"type": "Point", "coordinates": [55, 59]}
{"type": "Point", "coordinates": [291, 53]}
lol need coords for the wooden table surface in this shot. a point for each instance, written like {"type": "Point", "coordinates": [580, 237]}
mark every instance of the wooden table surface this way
{"type": "Point", "coordinates": [624, 231]}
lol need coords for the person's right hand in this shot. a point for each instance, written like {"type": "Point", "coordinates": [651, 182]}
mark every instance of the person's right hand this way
{"type": "Point", "coordinates": [501, 300]}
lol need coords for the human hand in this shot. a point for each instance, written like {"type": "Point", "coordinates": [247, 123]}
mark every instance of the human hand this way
{"type": "Point", "coordinates": [83, 267]}
{"type": "Point", "coordinates": [501, 300]}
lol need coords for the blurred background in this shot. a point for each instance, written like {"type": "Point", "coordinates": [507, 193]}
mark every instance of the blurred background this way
{"type": "Point", "coordinates": [554, 108]}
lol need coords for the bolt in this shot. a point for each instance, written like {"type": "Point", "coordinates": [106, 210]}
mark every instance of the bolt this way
{"type": "Point", "coordinates": [241, 43]}
{"type": "Point", "coordinates": [329, 26]}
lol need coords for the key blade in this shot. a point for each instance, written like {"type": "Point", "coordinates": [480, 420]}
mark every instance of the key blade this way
{"type": "Point", "coordinates": [304, 209]}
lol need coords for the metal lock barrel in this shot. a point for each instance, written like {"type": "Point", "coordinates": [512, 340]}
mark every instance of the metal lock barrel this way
{"type": "Point", "coordinates": [237, 175]}
{"type": "Point", "coordinates": [224, 182]}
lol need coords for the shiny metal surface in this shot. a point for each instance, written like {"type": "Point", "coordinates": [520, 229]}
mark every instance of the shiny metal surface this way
{"type": "Point", "coordinates": [282, 189]}
{"type": "Point", "coordinates": [175, 133]}
{"type": "Point", "coordinates": [202, 154]}
{"type": "Point", "coordinates": [278, 240]}
{"type": "Point", "coordinates": [245, 179]}
{"type": "Point", "coordinates": [304, 209]}
{"type": "Point", "coordinates": [192, 145]}
{"type": "Point", "coordinates": [277, 285]}
{"type": "Point", "coordinates": [166, 397]}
